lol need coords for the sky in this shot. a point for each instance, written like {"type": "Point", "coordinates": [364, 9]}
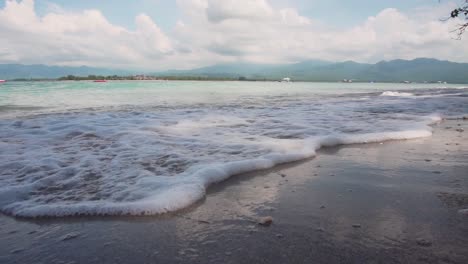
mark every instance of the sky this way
{"type": "Point", "coordinates": [183, 34]}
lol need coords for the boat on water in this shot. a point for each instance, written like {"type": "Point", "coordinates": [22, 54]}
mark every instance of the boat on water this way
{"type": "Point", "coordinates": [100, 80]}
{"type": "Point", "coordinates": [2, 81]}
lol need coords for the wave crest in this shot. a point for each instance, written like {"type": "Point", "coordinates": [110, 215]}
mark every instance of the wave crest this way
{"type": "Point", "coordinates": [397, 94]}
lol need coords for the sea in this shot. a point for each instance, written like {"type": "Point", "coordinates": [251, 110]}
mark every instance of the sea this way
{"type": "Point", "coordinates": [70, 148]}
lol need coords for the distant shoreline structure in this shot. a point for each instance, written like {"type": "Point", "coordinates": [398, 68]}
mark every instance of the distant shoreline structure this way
{"type": "Point", "coordinates": [419, 70]}
{"type": "Point", "coordinates": [104, 79]}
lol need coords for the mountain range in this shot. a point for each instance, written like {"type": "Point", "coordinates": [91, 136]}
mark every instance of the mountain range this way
{"type": "Point", "coordinates": [417, 70]}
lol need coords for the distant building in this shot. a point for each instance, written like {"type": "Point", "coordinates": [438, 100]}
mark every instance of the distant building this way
{"type": "Point", "coordinates": [142, 77]}
{"type": "Point", "coordinates": [287, 79]}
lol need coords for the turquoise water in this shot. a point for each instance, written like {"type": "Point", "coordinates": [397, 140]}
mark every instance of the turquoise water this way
{"type": "Point", "coordinates": [57, 96]}
{"type": "Point", "coordinates": [71, 148]}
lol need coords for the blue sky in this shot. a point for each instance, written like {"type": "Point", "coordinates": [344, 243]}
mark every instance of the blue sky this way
{"type": "Point", "coordinates": [121, 12]}
{"type": "Point", "coordinates": [163, 34]}
{"type": "Point", "coordinates": [166, 13]}
{"type": "Point", "coordinates": [350, 12]}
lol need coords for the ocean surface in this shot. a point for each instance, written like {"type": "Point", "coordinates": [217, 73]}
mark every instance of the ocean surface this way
{"type": "Point", "coordinates": [149, 147]}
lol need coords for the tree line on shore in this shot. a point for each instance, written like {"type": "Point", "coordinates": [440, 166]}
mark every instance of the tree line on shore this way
{"type": "Point", "coordinates": [144, 77]}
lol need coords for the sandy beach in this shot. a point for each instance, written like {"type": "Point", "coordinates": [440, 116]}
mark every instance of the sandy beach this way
{"type": "Point", "coordinates": [392, 202]}
{"type": "Point", "coordinates": [221, 131]}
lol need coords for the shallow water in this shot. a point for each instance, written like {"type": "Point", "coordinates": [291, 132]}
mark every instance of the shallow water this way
{"type": "Point", "coordinates": [115, 148]}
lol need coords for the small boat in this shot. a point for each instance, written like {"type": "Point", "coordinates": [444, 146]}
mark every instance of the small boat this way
{"type": "Point", "coordinates": [100, 80]}
{"type": "Point", "coordinates": [2, 81]}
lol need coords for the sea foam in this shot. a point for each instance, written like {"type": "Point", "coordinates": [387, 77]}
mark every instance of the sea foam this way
{"type": "Point", "coordinates": [398, 94]}
{"type": "Point", "coordinates": [165, 194]}
{"type": "Point", "coordinates": [152, 158]}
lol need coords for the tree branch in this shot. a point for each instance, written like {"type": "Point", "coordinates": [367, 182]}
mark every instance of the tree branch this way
{"type": "Point", "coordinates": [460, 12]}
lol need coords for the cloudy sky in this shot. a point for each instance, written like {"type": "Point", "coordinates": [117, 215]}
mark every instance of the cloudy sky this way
{"type": "Point", "coordinates": [168, 34]}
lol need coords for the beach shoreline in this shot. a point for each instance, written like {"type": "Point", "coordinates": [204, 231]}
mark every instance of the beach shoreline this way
{"type": "Point", "coordinates": [390, 202]}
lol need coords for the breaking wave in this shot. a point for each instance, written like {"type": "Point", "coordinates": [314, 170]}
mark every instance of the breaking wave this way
{"type": "Point", "coordinates": [401, 94]}
{"type": "Point", "coordinates": [146, 160]}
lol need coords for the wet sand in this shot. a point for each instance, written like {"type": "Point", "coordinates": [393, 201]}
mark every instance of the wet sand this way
{"type": "Point", "coordinates": [396, 202]}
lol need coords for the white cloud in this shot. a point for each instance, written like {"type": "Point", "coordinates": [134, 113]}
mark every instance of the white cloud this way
{"type": "Point", "coordinates": [285, 36]}
{"type": "Point", "coordinates": [77, 38]}
{"type": "Point", "coordinates": [218, 11]}
{"type": "Point", "coordinates": [212, 31]}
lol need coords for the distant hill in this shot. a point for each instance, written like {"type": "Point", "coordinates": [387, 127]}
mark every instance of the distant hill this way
{"type": "Point", "coordinates": [16, 71]}
{"type": "Point", "coordinates": [249, 70]}
{"type": "Point", "coordinates": [417, 70]}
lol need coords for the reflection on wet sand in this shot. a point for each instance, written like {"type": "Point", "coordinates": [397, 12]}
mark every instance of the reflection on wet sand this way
{"type": "Point", "coordinates": [379, 203]}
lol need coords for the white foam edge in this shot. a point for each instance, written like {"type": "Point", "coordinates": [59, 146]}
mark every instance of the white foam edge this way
{"type": "Point", "coordinates": [186, 190]}
{"type": "Point", "coordinates": [396, 94]}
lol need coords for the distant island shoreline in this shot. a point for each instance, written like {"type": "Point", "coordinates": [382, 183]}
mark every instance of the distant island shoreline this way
{"type": "Point", "coordinates": [421, 70]}
{"type": "Point", "coordinates": [201, 79]}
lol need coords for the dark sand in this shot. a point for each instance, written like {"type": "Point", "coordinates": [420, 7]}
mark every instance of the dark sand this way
{"type": "Point", "coordinates": [396, 202]}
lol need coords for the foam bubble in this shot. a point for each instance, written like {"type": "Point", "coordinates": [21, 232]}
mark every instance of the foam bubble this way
{"type": "Point", "coordinates": [397, 94]}
{"type": "Point", "coordinates": [151, 159]}
{"type": "Point", "coordinates": [164, 194]}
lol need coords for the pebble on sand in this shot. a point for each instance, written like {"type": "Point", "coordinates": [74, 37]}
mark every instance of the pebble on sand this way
{"type": "Point", "coordinates": [463, 211]}
{"type": "Point", "coordinates": [356, 225]}
{"type": "Point", "coordinates": [18, 250]}
{"type": "Point", "coordinates": [70, 236]}
{"type": "Point", "coordinates": [423, 242]}
{"type": "Point", "coordinates": [191, 250]}
{"type": "Point", "coordinates": [265, 221]}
